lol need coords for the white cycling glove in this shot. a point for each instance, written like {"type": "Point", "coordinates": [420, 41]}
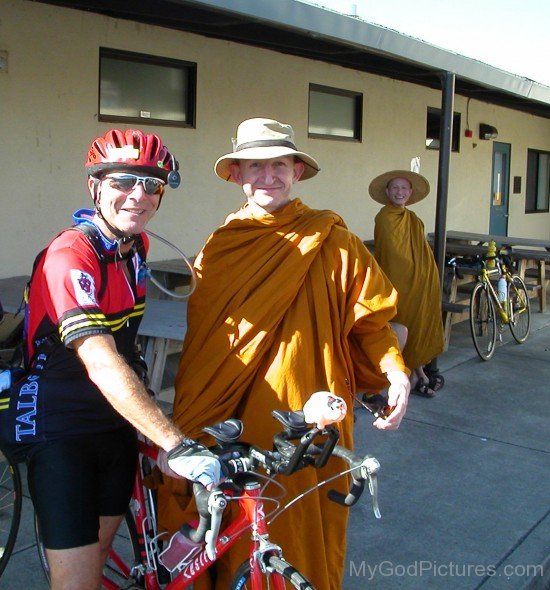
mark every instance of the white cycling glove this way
{"type": "Point", "coordinates": [195, 462]}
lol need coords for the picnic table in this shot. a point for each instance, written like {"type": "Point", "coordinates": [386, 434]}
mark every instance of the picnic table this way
{"type": "Point", "coordinates": [11, 292]}
{"type": "Point", "coordinates": [503, 241]}
{"type": "Point", "coordinates": [532, 255]}
{"type": "Point", "coordinates": [171, 274]}
{"type": "Point", "coordinates": [163, 323]}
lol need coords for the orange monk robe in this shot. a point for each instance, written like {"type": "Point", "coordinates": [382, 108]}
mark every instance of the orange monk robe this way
{"type": "Point", "coordinates": [406, 257]}
{"type": "Point", "coordinates": [286, 304]}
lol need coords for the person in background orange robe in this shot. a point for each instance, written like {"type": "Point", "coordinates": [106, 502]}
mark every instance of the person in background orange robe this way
{"type": "Point", "coordinates": [288, 302]}
{"type": "Point", "coordinates": [405, 256]}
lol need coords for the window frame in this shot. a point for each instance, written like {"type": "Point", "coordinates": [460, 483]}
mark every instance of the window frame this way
{"type": "Point", "coordinates": [455, 140]}
{"type": "Point", "coordinates": [130, 56]}
{"type": "Point", "coordinates": [357, 98]}
{"type": "Point", "coordinates": [532, 182]}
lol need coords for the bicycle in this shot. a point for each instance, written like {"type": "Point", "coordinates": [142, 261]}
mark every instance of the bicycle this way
{"type": "Point", "coordinates": [11, 494]}
{"type": "Point", "coordinates": [490, 310]}
{"type": "Point", "coordinates": [187, 556]}
{"type": "Point", "coordinates": [11, 499]}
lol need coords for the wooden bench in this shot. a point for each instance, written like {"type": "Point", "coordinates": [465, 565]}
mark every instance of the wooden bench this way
{"type": "Point", "coordinates": [458, 283]}
{"type": "Point", "coordinates": [531, 267]}
{"type": "Point", "coordinates": [452, 314]}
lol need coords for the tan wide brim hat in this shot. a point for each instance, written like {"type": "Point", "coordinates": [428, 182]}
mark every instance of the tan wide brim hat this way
{"type": "Point", "coordinates": [263, 139]}
{"type": "Point", "coordinates": [420, 186]}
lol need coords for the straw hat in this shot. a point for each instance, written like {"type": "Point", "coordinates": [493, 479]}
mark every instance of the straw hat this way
{"type": "Point", "coordinates": [420, 186]}
{"type": "Point", "coordinates": [263, 139]}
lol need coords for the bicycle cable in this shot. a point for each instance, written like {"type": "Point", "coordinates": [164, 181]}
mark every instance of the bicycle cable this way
{"type": "Point", "coordinates": [157, 284]}
{"type": "Point", "coordinates": [279, 510]}
{"type": "Point", "coordinates": [274, 499]}
{"type": "Point", "coordinates": [276, 514]}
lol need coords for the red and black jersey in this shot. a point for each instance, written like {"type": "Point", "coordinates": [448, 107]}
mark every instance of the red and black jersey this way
{"type": "Point", "coordinates": [68, 297]}
{"type": "Point", "coordinates": [78, 291]}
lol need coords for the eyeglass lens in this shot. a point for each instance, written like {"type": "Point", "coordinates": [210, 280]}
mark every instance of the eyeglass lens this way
{"type": "Point", "coordinates": [128, 182]}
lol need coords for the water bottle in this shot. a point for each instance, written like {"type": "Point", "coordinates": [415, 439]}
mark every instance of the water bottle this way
{"type": "Point", "coordinates": [180, 552]}
{"type": "Point", "coordinates": [501, 289]}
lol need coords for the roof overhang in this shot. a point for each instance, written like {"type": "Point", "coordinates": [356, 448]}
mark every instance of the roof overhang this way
{"type": "Point", "coordinates": [297, 28]}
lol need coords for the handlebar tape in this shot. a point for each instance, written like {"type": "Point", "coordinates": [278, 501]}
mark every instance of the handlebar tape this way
{"type": "Point", "coordinates": [357, 485]}
{"type": "Point", "coordinates": [201, 498]}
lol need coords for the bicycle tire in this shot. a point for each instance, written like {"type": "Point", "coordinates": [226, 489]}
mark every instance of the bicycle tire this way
{"type": "Point", "coordinates": [126, 532]}
{"type": "Point", "coordinates": [275, 566]}
{"type": "Point", "coordinates": [483, 323]}
{"type": "Point", "coordinates": [11, 501]}
{"type": "Point", "coordinates": [41, 549]}
{"type": "Point", "coordinates": [519, 310]}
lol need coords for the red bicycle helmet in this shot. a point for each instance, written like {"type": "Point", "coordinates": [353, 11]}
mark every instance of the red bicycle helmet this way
{"type": "Point", "coordinates": [132, 150]}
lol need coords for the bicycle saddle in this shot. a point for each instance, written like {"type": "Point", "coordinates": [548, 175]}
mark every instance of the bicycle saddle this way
{"type": "Point", "coordinates": [225, 432]}
{"type": "Point", "coordinates": [294, 422]}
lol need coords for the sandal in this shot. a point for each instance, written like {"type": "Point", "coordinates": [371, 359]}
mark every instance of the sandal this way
{"type": "Point", "coordinates": [423, 390]}
{"type": "Point", "coordinates": [437, 381]}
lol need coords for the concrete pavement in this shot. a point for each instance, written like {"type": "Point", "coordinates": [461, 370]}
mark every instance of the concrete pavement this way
{"type": "Point", "coordinates": [464, 484]}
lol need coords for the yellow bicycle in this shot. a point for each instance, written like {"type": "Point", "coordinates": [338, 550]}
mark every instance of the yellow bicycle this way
{"type": "Point", "coordinates": [493, 308]}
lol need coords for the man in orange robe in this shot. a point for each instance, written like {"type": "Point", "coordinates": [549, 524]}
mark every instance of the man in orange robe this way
{"type": "Point", "coordinates": [405, 256]}
{"type": "Point", "coordinates": [288, 302]}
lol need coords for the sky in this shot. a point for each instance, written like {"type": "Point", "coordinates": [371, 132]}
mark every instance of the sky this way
{"type": "Point", "coordinates": [513, 35]}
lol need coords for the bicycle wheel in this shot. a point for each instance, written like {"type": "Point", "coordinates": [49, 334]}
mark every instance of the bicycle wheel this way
{"type": "Point", "coordinates": [288, 576]}
{"type": "Point", "coordinates": [520, 310]}
{"type": "Point", "coordinates": [483, 323]}
{"type": "Point", "coordinates": [11, 499]}
{"type": "Point", "coordinates": [119, 569]}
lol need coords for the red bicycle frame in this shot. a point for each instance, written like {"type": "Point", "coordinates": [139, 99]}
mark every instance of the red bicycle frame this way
{"type": "Point", "coordinates": [251, 515]}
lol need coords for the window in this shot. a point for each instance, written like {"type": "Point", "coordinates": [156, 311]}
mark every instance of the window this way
{"type": "Point", "coordinates": [135, 87]}
{"type": "Point", "coordinates": [433, 130]}
{"type": "Point", "coordinates": [334, 113]}
{"type": "Point", "coordinates": [537, 189]}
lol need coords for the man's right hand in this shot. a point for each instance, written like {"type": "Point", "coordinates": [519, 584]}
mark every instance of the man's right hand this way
{"type": "Point", "coordinates": [196, 463]}
{"type": "Point", "coordinates": [398, 397]}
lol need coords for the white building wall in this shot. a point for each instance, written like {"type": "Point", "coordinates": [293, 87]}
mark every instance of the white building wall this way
{"type": "Point", "coordinates": [48, 116]}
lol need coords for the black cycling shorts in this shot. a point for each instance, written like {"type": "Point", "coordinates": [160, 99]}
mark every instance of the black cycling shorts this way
{"type": "Point", "coordinates": [74, 481]}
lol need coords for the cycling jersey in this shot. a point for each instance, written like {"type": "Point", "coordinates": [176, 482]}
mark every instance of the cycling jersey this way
{"type": "Point", "coordinates": [68, 300]}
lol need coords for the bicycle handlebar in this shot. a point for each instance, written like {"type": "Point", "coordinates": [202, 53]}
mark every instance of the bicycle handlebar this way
{"type": "Point", "coordinates": [312, 447]}
{"type": "Point", "coordinates": [365, 469]}
{"type": "Point", "coordinates": [502, 257]}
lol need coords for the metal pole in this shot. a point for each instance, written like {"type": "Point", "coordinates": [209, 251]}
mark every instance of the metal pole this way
{"type": "Point", "coordinates": [445, 144]}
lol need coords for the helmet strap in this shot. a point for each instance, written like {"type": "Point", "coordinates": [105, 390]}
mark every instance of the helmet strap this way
{"type": "Point", "coordinates": [121, 237]}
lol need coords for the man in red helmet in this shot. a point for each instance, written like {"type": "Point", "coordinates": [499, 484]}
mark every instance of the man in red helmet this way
{"type": "Point", "coordinates": [73, 415]}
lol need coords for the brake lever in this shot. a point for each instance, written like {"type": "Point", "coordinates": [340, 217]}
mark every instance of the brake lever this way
{"type": "Point", "coordinates": [369, 471]}
{"type": "Point", "coordinates": [216, 505]}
